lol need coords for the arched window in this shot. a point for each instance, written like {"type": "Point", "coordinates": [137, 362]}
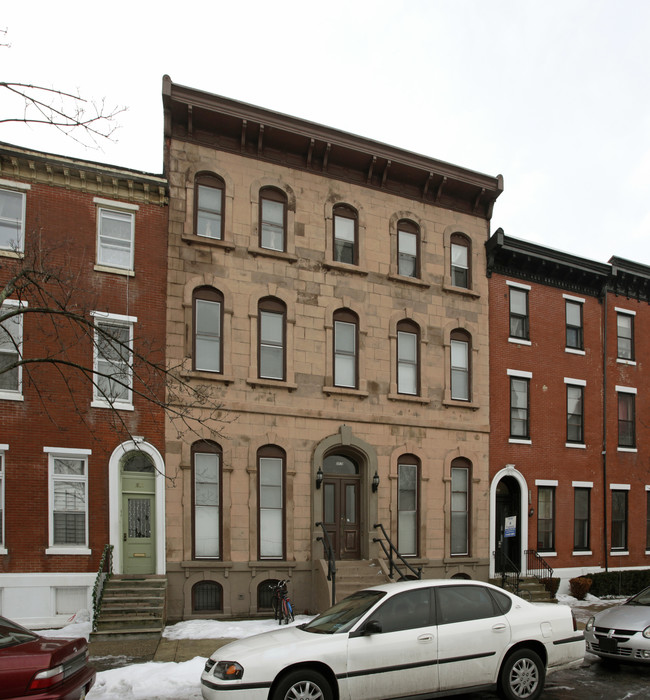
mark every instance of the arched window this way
{"type": "Point", "coordinates": [461, 255]}
{"type": "Point", "coordinates": [265, 594]}
{"type": "Point", "coordinates": [346, 349]}
{"type": "Point", "coordinates": [461, 474]}
{"type": "Point", "coordinates": [207, 352]}
{"type": "Point", "coordinates": [207, 596]}
{"type": "Point", "coordinates": [346, 234]}
{"type": "Point", "coordinates": [273, 219]}
{"type": "Point", "coordinates": [408, 468]}
{"type": "Point", "coordinates": [271, 466]}
{"type": "Point", "coordinates": [408, 358]}
{"type": "Point", "coordinates": [208, 206]}
{"type": "Point", "coordinates": [408, 248]}
{"type": "Point", "coordinates": [272, 323]}
{"type": "Point", "coordinates": [461, 384]}
{"type": "Point", "coordinates": [206, 498]}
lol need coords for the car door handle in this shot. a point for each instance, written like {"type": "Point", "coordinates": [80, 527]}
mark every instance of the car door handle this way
{"type": "Point", "coordinates": [425, 638]}
{"type": "Point", "coordinates": [499, 627]}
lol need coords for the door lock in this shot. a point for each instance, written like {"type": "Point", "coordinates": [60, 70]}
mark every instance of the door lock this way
{"type": "Point", "coordinates": [124, 537]}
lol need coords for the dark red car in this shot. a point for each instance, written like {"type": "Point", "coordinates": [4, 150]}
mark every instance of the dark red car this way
{"type": "Point", "coordinates": [38, 668]}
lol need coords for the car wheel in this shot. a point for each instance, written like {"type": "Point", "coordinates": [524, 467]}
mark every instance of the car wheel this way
{"type": "Point", "coordinates": [521, 676]}
{"type": "Point", "coordinates": [303, 685]}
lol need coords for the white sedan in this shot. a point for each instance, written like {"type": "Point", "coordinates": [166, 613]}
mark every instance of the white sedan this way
{"type": "Point", "coordinates": [426, 638]}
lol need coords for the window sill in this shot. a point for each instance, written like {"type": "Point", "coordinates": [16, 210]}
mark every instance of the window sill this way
{"type": "Point", "coordinates": [114, 270]}
{"type": "Point", "coordinates": [204, 240]}
{"type": "Point", "coordinates": [546, 554]}
{"type": "Point", "coordinates": [272, 383]}
{"type": "Point", "coordinates": [621, 361]}
{"type": "Point", "coordinates": [345, 391]}
{"type": "Point", "coordinates": [517, 441]}
{"type": "Point", "coordinates": [619, 553]}
{"type": "Point", "coordinates": [582, 554]}
{"type": "Point", "coordinates": [344, 267]}
{"type": "Point", "coordinates": [461, 290]}
{"type": "Point", "coordinates": [576, 445]}
{"type": "Point", "coordinates": [415, 281]}
{"type": "Point", "coordinates": [4, 551]}
{"type": "Point", "coordinates": [207, 376]}
{"type": "Point", "coordinates": [575, 351]}
{"type": "Point", "coordinates": [268, 253]}
{"type": "Point", "coordinates": [206, 563]}
{"type": "Point", "coordinates": [626, 449]}
{"type": "Point", "coordinates": [10, 396]}
{"type": "Point", "coordinates": [16, 254]}
{"type": "Point", "coordinates": [68, 551]}
{"type": "Point", "coordinates": [98, 403]}
{"type": "Point", "coordinates": [519, 341]}
{"type": "Point", "coordinates": [409, 398]}
{"type": "Point", "coordinates": [460, 559]}
{"type": "Point", "coordinates": [455, 403]}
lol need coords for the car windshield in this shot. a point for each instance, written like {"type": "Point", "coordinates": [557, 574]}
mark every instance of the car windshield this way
{"type": "Point", "coordinates": [344, 615]}
{"type": "Point", "coordinates": [12, 634]}
{"type": "Point", "coordinates": [642, 598]}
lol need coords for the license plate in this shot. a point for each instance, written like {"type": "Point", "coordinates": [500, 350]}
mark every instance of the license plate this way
{"type": "Point", "coordinates": [608, 645]}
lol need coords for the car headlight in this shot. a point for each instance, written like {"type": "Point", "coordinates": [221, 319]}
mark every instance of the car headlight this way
{"type": "Point", "coordinates": [646, 632]}
{"type": "Point", "coordinates": [591, 622]}
{"type": "Point", "coordinates": [228, 670]}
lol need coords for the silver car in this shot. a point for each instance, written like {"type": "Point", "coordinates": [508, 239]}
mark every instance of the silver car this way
{"type": "Point", "coordinates": [622, 633]}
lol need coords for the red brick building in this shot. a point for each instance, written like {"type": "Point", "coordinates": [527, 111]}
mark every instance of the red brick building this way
{"type": "Point", "coordinates": [569, 444]}
{"type": "Point", "coordinates": [80, 454]}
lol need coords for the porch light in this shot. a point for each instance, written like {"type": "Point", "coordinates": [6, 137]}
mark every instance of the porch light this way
{"type": "Point", "coordinates": [319, 478]}
{"type": "Point", "coordinates": [375, 482]}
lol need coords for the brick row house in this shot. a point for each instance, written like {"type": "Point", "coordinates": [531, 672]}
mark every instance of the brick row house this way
{"type": "Point", "coordinates": [81, 461]}
{"type": "Point", "coordinates": [570, 442]}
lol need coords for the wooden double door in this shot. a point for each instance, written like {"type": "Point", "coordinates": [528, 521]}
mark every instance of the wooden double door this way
{"type": "Point", "coordinates": [341, 514]}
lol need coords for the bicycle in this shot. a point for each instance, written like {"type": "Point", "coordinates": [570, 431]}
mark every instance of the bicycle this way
{"type": "Point", "coordinates": [282, 606]}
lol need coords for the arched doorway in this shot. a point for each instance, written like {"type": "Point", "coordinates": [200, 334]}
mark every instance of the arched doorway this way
{"type": "Point", "coordinates": [507, 531]}
{"type": "Point", "coordinates": [341, 504]}
{"type": "Point", "coordinates": [138, 508]}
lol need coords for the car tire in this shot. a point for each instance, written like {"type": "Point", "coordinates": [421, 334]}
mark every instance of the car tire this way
{"type": "Point", "coordinates": [303, 685]}
{"type": "Point", "coordinates": [522, 676]}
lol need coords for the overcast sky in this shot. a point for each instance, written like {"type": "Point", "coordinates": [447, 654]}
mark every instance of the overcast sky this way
{"type": "Point", "coordinates": [552, 94]}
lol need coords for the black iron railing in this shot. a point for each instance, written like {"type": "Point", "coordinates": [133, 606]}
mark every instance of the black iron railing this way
{"type": "Point", "coordinates": [392, 554]}
{"type": "Point", "coordinates": [537, 566]}
{"type": "Point", "coordinates": [508, 570]}
{"type": "Point", "coordinates": [329, 555]}
{"type": "Point", "coordinates": [104, 573]}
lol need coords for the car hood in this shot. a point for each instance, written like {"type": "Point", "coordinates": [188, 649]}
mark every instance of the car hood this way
{"type": "Point", "coordinates": [628, 617]}
{"type": "Point", "coordinates": [267, 642]}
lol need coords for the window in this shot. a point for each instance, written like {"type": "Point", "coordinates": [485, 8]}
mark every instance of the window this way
{"type": "Point", "coordinates": [462, 603]}
{"type": "Point", "coordinates": [408, 365]}
{"type": "Point", "coordinates": [273, 219]}
{"type": "Point", "coordinates": [581, 516]}
{"type": "Point", "coordinates": [68, 500]}
{"type": "Point", "coordinates": [346, 228]}
{"type": "Point", "coordinates": [2, 497]}
{"type": "Point", "coordinates": [272, 335]}
{"type": "Point", "coordinates": [113, 360]}
{"type": "Point", "coordinates": [346, 325]}
{"type": "Point", "coordinates": [265, 594]}
{"type": "Point", "coordinates": [206, 472]}
{"type": "Point", "coordinates": [208, 324]}
{"type": "Point", "coordinates": [519, 313]}
{"type": "Point", "coordinates": [270, 465]}
{"type": "Point", "coordinates": [207, 596]}
{"type": "Point", "coordinates": [519, 407]}
{"type": "Point", "coordinates": [406, 611]}
{"type": "Point", "coordinates": [625, 336]}
{"type": "Point", "coordinates": [208, 206]}
{"type": "Point", "coordinates": [459, 535]}
{"type": "Point", "coordinates": [11, 349]}
{"type": "Point", "coordinates": [460, 256]}
{"type": "Point", "coordinates": [575, 416]}
{"type": "Point", "coordinates": [626, 423]}
{"type": "Point", "coordinates": [115, 235]}
{"type": "Point", "coordinates": [619, 520]}
{"type": "Point", "coordinates": [460, 369]}
{"type": "Point", "coordinates": [407, 505]}
{"type": "Point", "coordinates": [12, 220]}
{"type": "Point", "coordinates": [647, 519]}
{"type": "Point", "coordinates": [408, 244]}
{"type": "Point", "coordinates": [545, 518]}
{"type": "Point", "coordinates": [573, 313]}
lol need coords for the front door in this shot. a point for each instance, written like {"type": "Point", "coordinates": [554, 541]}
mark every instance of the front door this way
{"type": "Point", "coordinates": [341, 515]}
{"type": "Point", "coordinates": [508, 543]}
{"type": "Point", "coordinates": [138, 515]}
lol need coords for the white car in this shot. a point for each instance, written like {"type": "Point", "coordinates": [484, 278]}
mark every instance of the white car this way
{"type": "Point", "coordinates": [414, 638]}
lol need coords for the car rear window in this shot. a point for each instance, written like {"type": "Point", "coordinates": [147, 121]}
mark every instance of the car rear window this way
{"type": "Point", "coordinates": [12, 634]}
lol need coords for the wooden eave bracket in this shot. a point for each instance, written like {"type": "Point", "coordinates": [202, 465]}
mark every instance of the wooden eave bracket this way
{"type": "Point", "coordinates": [310, 152]}
{"type": "Point", "coordinates": [326, 155]}
{"type": "Point", "coordinates": [441, 186]}
{"type": "Point", "coordinates": [370, 169]}
{"type": "Point", "coordinates": [385, 173]}
{"type": "Point", "coordinates": [477, 201]}
{"type": "Point", "coordinates": [244, 124]}
{"type": "Point", "coordinates": [425, 189]}
{"type": "Point", "coordinates": [190, 122]}
{"type": "Point", "coordinates": [260, 140]}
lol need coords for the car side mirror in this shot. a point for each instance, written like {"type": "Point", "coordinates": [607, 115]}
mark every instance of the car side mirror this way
{"type": "Point", "coordinates": [372, 627]}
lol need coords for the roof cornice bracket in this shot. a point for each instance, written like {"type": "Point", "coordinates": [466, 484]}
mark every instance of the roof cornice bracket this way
{"type": "Point", "coordinates": [310, 152]}
{"type": "Point", "coordinates": [244, 124]}
{"type": "Point", "coordinates": [66, 176]}
{"type": "Point", "coordinates": [371, 168]}
{"type": "Point", "coordinates": [260, 140]}
{"type": "Point", "coordinates": [441, 186]}
{"type": "Point", "coordinates": [326, 156]}
{"type": "Point", "coordinates": [385, 173]}
{"type": "Point", "coordinates": [477, 201]}
{"type": "Point", "coordinates": [425, 189]}
{"type": "Point", "coordinates": [190, 122]}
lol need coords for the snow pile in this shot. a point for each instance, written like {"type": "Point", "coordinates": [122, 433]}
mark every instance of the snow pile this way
{"type": "Point", "coordinates": [225, 629]}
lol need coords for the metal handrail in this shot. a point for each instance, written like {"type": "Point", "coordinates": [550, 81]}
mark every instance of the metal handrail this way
{"type": "Point", "coordinates": [510, 573]}
{"type": "Point", "coordinates": [392, 549]}
{"type": "Point", "coordinates": [102, 577]}
{"type": "Point", "coordinates": [537, 566]}
{"type": "Point", "coordinates": [329, 555]}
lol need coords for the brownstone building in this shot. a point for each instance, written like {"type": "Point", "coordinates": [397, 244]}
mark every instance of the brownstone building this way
{"type": "Point", "coordinates": [331, 292]}
{"type": "Point", "coordinates": [569, 446]}
{"type": "Point", "coordinates": [81, 455]}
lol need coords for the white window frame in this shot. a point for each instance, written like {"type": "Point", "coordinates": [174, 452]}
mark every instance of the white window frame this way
{"type": "Point", "coordinates": [108, 205]}
{"type": "Point", "coordinates": [99, 401]}
{"type": "Point", "coordinates": [16, 188]}
{"type": "Point", "coordinates": [10, 394]}
{"type": "Point", "coordinates": [343, 356]}
{"type": "Point", "coordinates": [3, 533]}
{"type": "Point", "coordinates": [464, 512]}
{"type": "Point", "coordinates": [631, 314]}
{"type": "Point", "coordinates": [268, 549]}
{"type": "Point", "coordinates": [582, 383]}
{"type": "Point", "coordinates": [213, 509]}
{"type": "Point", "coordinates": [405, 362]}
{"type": "Point", "coordinates": [407, 519]}
{"type": "Point", "coordinates": [459, 370]}
{"type": "Point", "coordinates": [54, 453]}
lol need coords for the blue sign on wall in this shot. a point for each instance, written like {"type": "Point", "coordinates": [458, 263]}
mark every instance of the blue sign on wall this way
{"type": "Point", "coordinates": [511, 526]}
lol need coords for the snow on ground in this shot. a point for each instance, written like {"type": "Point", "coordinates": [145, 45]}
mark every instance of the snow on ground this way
{"type": "Point", "coordinates": [225, 629]}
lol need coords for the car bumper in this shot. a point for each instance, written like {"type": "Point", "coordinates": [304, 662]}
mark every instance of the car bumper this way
{"type": "Point", "coordinates": [72, 688]}
{"type": "Point", "coordinates": [616, 649]}
{"type": "Point", "coordinates": [214, 689]}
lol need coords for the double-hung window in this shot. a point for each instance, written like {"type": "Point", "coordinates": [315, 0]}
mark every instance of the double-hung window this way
{"type": "Point", "coordinates": [208, 323]}
{"type": "Point", "coordinates": [68, 477]}
{"type": "Point", "coordinates": [270, 466]}
{"type": "Point", "coordinates": [206, 457]}
{"type": "Point", "coordinates": [519, 321]}
{"type": "Point", "coordinates": [3, 448]}
{"type": "Point", "coordinates": [581, 517]}
{"type": "Point", "coordinates": [11, 349]}
{"type": "Point", "coordinates": [273, 219]}
{"type": "Point", "coordinates": [12, 217]}
{"type": "Point", "coordinates": [272, 339]}
{"type": "Point", "coordinates": [208, 206]}
{"type": "Point", "coordinates": [626, 417]}
{"type": "Point", "coordinates": [408, 243]}
{"type": "Point", "coordinates": [574, 328]}
{"type": "Point", "coordinates": [346, 327]}
{"type": "Point", "coordinates": [519, 405]}
{"type": "Point", "coordinates": [408, 372]}
{"type": "Point", "coordinates": [575, 411]}
{"type": "Point", "coordinates": [115, 233]}
{"type": "Point", "coordinates": [625, 335]}
{"type": "Point", "coordinates": [460, 480]}
{"type": "Point", "coordinates": [113, 360]}
{"type": "Point", "coordinates": [460, 257]}
{"type": "Point", "coordinates": [407, 506]}
{"type": "Point", "coordinates": [460, 365]}
{"type": "Point", "coordinates": [346, 232]}
{"type": "Point", "coordinates": [619, 516]}
{"type": "Point", "coordinates": [545, 517]}
{"type": "Point", "coordinates": [647, 519]}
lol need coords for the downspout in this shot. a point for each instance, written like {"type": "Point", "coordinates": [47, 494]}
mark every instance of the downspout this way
{"type": "Point", "coordinates": [604, 452]}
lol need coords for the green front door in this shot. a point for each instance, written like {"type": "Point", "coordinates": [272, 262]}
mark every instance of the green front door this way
{"type": "Point", "coordinates": [138, 517]}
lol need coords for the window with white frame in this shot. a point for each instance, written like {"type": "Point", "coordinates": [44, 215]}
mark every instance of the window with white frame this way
{"type": "Point", "coordinates": [113, 360]}
{"type": "Point", "coordinates": [619, 516]}
{"type": "Point", "coordinates": [346, 329]}
{"type": "Point", "coordinates": [407, 506]}
{"type": "Point", "coordinates": [575, 420]}
{"type": "Point", "coordinates": [11, 349]}
{"type": "Point", "coordinates": [625, 335]}
{"type": "Point", "coordinates": [408, 243]}
{"type": "Point", "coordinates": [408, 370]}
{"type": "Point", "coordinates": [208, 322]}
{"type": "Point", "coordinates": [460, 342]}
{"type": "Point", "coordinates": [270, 467]}
{"type": "Point", "coordinates": [273, 219]}
{"type": "Point", "coordinates": [545, 517]}
{"type": "Point", "coordinates": [519, 318]}
{"type": "Point", "coordinates": [206, 458]}
{"type": "Point", "coordinates": [519, 404]}
{"type": "Point", "coordinates": [626, 398]}
{"type": "Point", "coordinates": [2, 496]}
{"type": "Point", "coordinates": [460, 258]}
{"type": "Point", "coordinates": [272, 338]}
{"type": "Point", "coordinates": [68, 478]}
{"type": "Point", "coordinates": [574, 323]}
{"type": "Point", "coordinates": [12, 217]}
{"type": "Point", "coordinates": [115, 234]}
{"type": "Point", "coordinates": [581, 517]}
{"type": "Point", "coordinates": [460, 495]}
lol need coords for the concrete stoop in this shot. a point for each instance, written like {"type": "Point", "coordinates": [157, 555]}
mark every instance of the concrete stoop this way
{"type": "Point", "coordinates": [352, 576]}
